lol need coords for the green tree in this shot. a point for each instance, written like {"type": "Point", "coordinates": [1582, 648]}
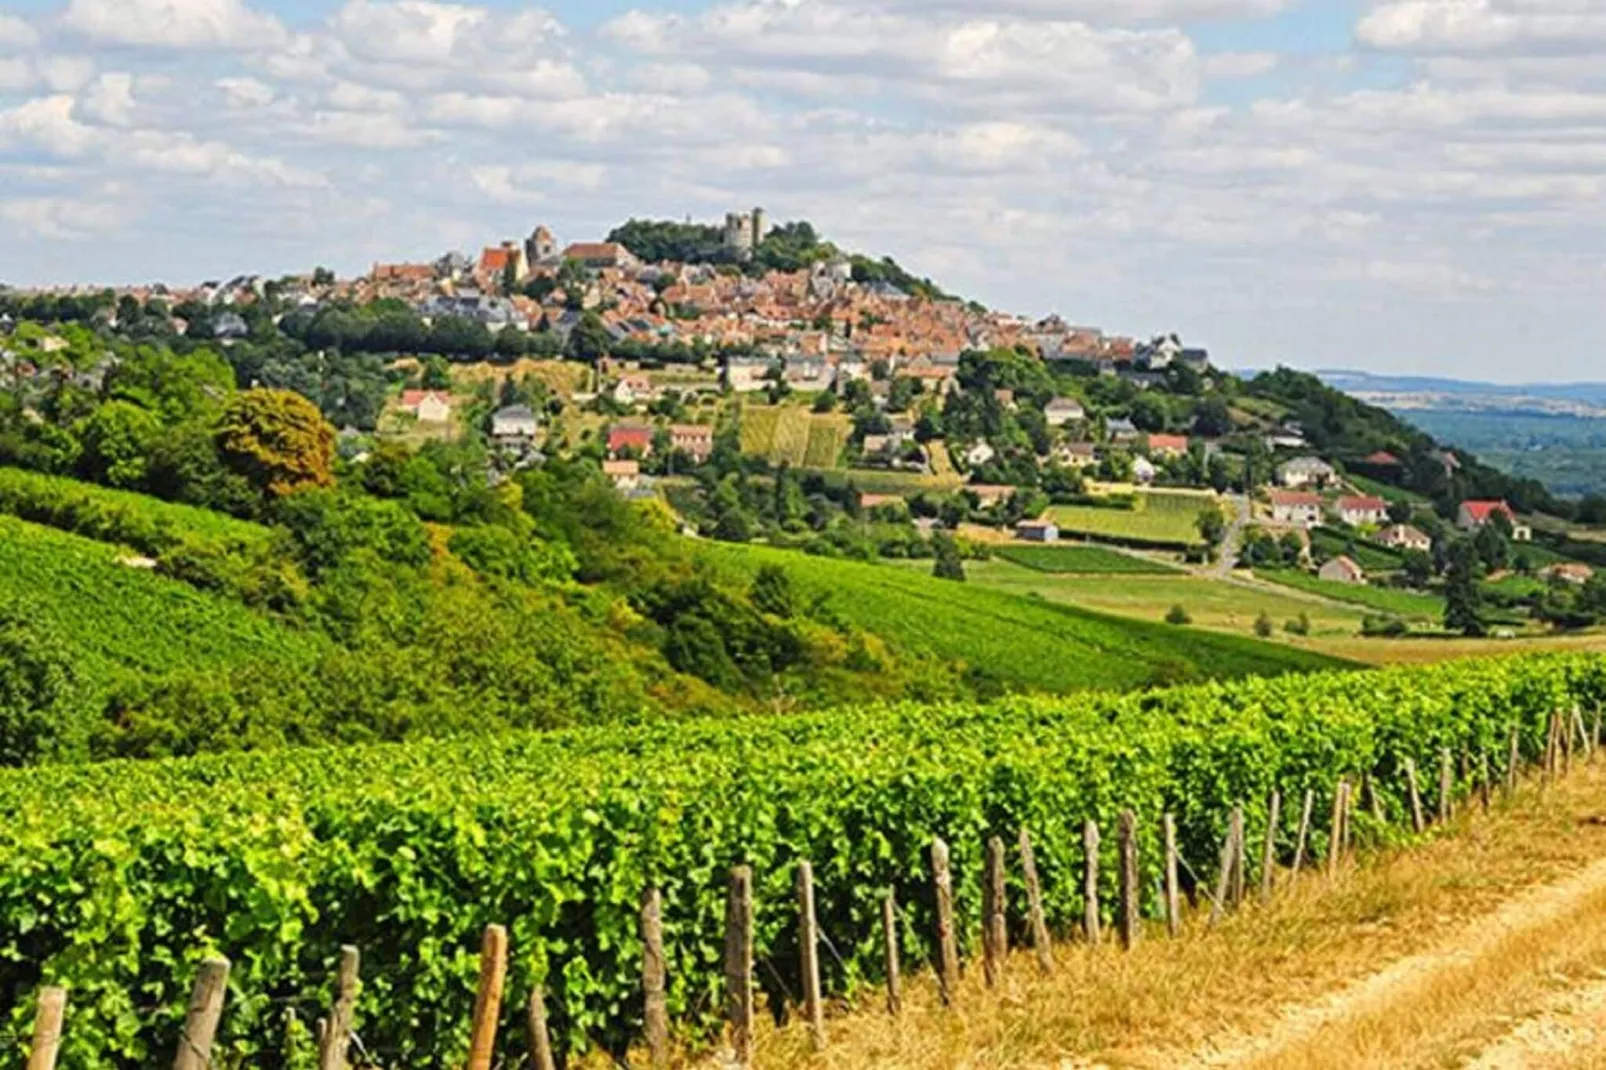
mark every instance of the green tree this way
{"type": "Point", "coordinates": [1212, 526]}
{"type": "Point", "coordinates": [772, 592]}
{"type": "Point", "coordinates": [116, 440]}
{"type": "Point", "coordinates": [36, 688]}
{"type": "Point", "coordinates": [436, 374]}
{"type": "Point", "coordinates": [948, 565]}
{"type": "Point", "coordinates": [1463, 599]}
{"type": "Point", "coordinates": [1418, 568]}
{"type": "Point", "coordinates": [278, 440]}
{"type": "Point", "coordinates": [589, 341]}
{"type": "Point", "coordinates": [1264, 626]}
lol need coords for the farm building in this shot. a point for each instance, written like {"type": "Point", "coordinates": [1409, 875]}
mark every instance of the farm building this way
{"type": "Point", "coordinates": [1405, 537]}
{"type": "Point", "coordinates": [1295, 507]}
{"type": "Point", "coordinates": [1342, 570]}
{"type": "Point", "coordinates": [1473, 515]}
{"type": "Point", "coordinates": [1037, 531]}
{"type": "Point", "coordinates": [1356, 511]}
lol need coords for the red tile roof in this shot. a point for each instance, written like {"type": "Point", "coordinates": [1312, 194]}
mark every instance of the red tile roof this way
{"type": "Point", "coordinates": [1481, 512]}
{"type": "Point", "coordinates": [1362, 505]}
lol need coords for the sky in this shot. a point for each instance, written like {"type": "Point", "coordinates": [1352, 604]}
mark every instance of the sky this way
{"type": "Point", "coordinates": [1403, 186]}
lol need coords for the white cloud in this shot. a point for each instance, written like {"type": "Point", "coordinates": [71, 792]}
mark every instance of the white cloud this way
{"type": "Point", "coordinates": [17, 34]}
{"type": "Point", "coordinates": [173, 24]}
{"type": "Point", "coordinates": [1543, 26]}
{"type": "Point", "coordinates": [63, 218]}
{"type": "Point", "coordinates": [1241, 64]}
{"type": "Point", "coordinates": [111, 99]}
{"type": "Point", "coordinates": [246, 92]}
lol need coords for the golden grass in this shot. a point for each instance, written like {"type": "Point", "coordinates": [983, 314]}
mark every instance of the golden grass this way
{"type": "Point", "coordinates": [1220, 997]}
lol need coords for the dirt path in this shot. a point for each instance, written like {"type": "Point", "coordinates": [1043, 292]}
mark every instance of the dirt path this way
{"type": "Point", "coordinates": [1446, 998]}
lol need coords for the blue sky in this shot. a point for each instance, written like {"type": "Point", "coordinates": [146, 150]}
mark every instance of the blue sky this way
{"type": "Point", "coordinates": [1399, 185]}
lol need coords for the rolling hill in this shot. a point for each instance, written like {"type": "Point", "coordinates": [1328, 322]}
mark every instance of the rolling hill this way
{"type": "Point", "coordinates": [1024, 642]}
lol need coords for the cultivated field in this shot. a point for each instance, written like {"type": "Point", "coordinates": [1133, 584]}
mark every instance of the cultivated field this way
{"type": "Point", "coordinates": [793, 435]}
{"type": "Point", "coordinates": [1408, 605]}
{"type": "Point", "coordinates": [1090, 560]}
{"type": "Point", "coordinates": [1159, 518]}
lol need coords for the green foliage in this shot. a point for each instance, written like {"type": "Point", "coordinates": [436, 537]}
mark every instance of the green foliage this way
{"type": "Point", "coordinates": [1177, 615]}
{"type": "Point", "coordinates": [36, 687]}
{"type": "Point", "coordinates": [1463, 609]}
{"type": "Point", "coordinates": [1082, 559]}
{"type": "Point", "coordinates": [116, 440]}
{"type": "Point", "coordinates": [407, 852]}
{"type": "Point", "coordinates": [656, 241]}
{"type": "Point", "coordinates": [1024, 643]}
{"type": "Point", "coordinates": [948, 564]}
{"type": "Point", "coordinates": [278, 440]}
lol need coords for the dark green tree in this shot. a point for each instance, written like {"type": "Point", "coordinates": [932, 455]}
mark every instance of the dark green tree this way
{"type": "Point", "coordinates": [948, 564]}
{"type": "Point", "coordinates": [1463, 599]}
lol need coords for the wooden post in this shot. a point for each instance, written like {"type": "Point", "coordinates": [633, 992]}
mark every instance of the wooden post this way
{"type": "Point", "coordinates": [1038, 922]}
{"type": "Point", "coordinates": [1594, 734]}
{"type": "Point", "coordinates": [47, 1019]}
{"type": "Point", "coordinates": [809, 948]}
{"type": "Point", "coordinates": [889, 932]}
{"type": "Point", "coordinates": [1218, 904]}
{"type": "Point", "coordinates": [1564, 731]}
{"type": "Point", "coordinates": [540, 1039]}
{"type": "Point", "coordinates": [200, 1022]}
{"type": "Point", "coordinates": [487, 998]}
{"type": "Point", "coordinates": [1485, 788]}
{"type": "Point", "coordinates": [654, 975]}
{"type": "Point", "coordinates": [1240, 854]}
{"type": "Point", "coordinates": [1374, 799]}
{"type": "Point", "coordinates": [947, 939]}
{"type": "Point", "coordinates": [1173, 904]}
{"type": "Point", "coordinates": [1304, 829]}
{"type": "Point", "coordinates": [1513, 759]}
{"type": "Point", "coordinates": [337, 1035]}
{"type": "Point", "coordinates": [1131, 889]}
{"type": "Point", "coordinates": [1419, 823]}
{"type": "Point", "coordinates": [1335, 835]}
{"type": "Point", "coordinates": [1268, 850]}
{"type": "Point", "coordinates": [995, 934]}
{"type": "Point", "coordinates": [1585, 746]}
{"type": "Point", "coordinates": [1090, 881]}
{"type": "Point", "coordinates": [1446, 784]}
{"type": "Point", "coordinates": [739, 963]}
{"type": "Point", "coordinates": [1552, 759]}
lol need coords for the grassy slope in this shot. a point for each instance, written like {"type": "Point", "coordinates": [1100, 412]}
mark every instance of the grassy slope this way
{"type": "Point", "coordinates": [19, 485]}
{"type": "Point", "coordinates": [1159, 517]}
{"type": "Point", "coordinates": [1407, 604]}
{"type": "Point", "coordinates": [121, 621]}
{"type": "Point", "coordinates": [1022, 640]}
{"type": "Point", "coordinates": [1081, 559]}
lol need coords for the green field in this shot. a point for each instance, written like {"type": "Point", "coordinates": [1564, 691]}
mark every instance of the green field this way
{"type": "Point", "coordinates": [1081, 559]}
{"type": "Point", "coordinates": [1219, 605]}
{"type": "Point", "coordinates": [1334, 542]}
{"type": "Point", "coordinates": [793, 435]}
{"type": "Point", "coordinates": [1388, 492]}
{"type": "Point", "coordinates": [1160, 518]}
{"type": "Point", "coordinates": [1025, 641]}
{"type": "Point", "coordinates": [120, 621]}
{"type": "Point", "coordinates": [1409, 605]}
{"type": "Point", "coordinates": [107, 515]}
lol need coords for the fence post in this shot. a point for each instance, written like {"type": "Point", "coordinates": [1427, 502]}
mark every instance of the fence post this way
{"type": "Point", "coordinates": [540, 1039]}
{"type": "Point", "coordinates": [1418, 822]}
{"type": "Point", "coordinates": [1131, 889]}
{"type": "Point", "coordinates": [487, 998]}
{"type": "Point", "coordinates": [889, 931]}
{"type": "Point", "coordinates": [809, 946]}
{"type": "Point", "coordinates": [995, 930]}
{"type": "Point", "coordinates": [1268, 852]}
{"type": "Point", "coordinates": [1594, 734]}
{"type": "Point", "coordinates": [739, 963]}
{"type": "Point", "coordinates": [1484, 787]}
{"type": "Point", "coordinates": [1090, 881]}
{"type": "Point", "coordinates": [1303, 841]}
{"type": "Point", "coordinates": [1218, 903]}
{"type": "Point", "coordinates": [1041, 944]}
{"type": "Point", "coordinates": [1446, 786]}
{"type": "Point", "coordinates": [947, 939]}
{"type": "Point", "coordinates": [1374, 800]}
{"type": "Point", "coordinates": [1173, 904]}
{"type": "Point", "coordinates": [1514, 757]}
{"type": "Point", "coordinates": [1240, 856]}
{"type": "Point", "coordinates": [47, 1020]}
{"type": "Point", "coordinates": [337, 1035]}
{"type": "Point", "coordinates": [654, 973]}
{"type": "Point", "coordinates": [200, 1022]}
{"type": "Point", "coordinates": [1585, 746]}
{"type": "Point", "coordinates": [1335, 836]}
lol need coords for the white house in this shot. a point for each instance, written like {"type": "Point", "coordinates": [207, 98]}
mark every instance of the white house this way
{"type": "Point", "coordinates": [515, 422]}
{"type": "Point", "coordinates": [1474, 515]}
{"type": "Point", "coordinates": [1405, 537]}
{"type": "Point", "coordinates": [1356, 511]}
{"type": "Point", "coordinates": [979, 453]}
{"type": "Point", "coordinates": [1037, 531]}
{"type": "Point", "coordinates": [1062, 411]}
{"type": "Point", "coordinates": [745, 375]}
{"type": "Point", "coordinates": [1295, 507]}
{"type": "Point", "coordinates": [430, 406]}
{"type": "Point", "coordinates": [1342, 570]}
{"type": "Point", "coordinates": [1305, 472]}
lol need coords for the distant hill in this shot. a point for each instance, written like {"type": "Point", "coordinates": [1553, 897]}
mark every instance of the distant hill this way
{"type": "Point", "coordinates": [1424, 392]}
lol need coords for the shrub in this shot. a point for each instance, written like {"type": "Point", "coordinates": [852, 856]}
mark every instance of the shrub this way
{"type": "Point", "coordinates": [1263, 626]}
{"type": "Point", "coordinates": [1300, 625]}
{"type": "Point", "coordinates": [1178, 616]}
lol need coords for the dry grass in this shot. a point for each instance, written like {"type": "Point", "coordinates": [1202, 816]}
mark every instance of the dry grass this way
{"type": "Point", "coordinates": [1221, 997]}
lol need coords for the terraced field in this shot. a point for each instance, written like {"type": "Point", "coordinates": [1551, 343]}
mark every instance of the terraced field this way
{"type": "Point", "coordinates": [1160, 518]}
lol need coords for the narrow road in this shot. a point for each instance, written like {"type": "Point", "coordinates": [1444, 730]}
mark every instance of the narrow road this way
{"type": "Point", "coordinates": [1232, 541]}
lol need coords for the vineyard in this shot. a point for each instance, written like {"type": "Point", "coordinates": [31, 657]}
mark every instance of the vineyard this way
{"type": "Point", "coordinates": [1024, 641]}
{"type": "Point", "coordinates": [410, 851]}
{"type": "Point", "coordinates": [1160, 519]}
{"type": "Point", "coordinates": [792, 435]}
{"type": "Point", "coordinates": [1084, 560]}
{"type": "Point", "coordinates": [122, 620]}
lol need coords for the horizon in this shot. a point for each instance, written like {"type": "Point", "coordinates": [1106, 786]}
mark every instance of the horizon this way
{"type": "Point", "coordinates": [1400, 186]}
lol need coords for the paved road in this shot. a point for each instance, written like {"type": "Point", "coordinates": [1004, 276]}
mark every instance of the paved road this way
{"type": "Point", "coordinates": [1232, 541]}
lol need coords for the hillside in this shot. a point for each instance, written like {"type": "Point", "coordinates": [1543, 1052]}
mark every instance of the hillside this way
{"type": "Point", "coordinates": [1018, 641]}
